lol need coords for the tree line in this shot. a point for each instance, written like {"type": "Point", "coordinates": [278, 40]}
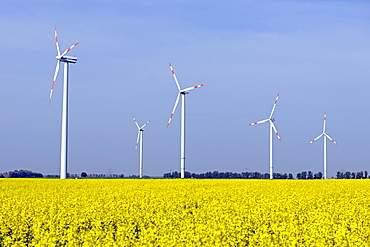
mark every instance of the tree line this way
{"type": "Point", "coordinates": [206, 175]}
{"type": "Point", "coordinates": [352, 175]}
{"type": "Point", "coordinates": [229, 175]}
{"type": "Point", "coordinates": [21, 174]}
{"type": "Point", "coordinates": [258, 175]}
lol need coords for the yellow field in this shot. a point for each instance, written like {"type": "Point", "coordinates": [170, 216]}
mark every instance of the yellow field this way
{"type": "Point", "coordinates": [42, 212]}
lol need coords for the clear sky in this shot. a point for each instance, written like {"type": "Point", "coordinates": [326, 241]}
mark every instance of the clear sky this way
{"type": "Point", "coordinates": [314, 53]}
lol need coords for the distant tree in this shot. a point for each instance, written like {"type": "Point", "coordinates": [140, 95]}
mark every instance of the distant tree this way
{"type": "Point", "coordinates": [208, 175]}
{"type": "Point", "coordinates": [2, 176]}
{"type": "Point", "coordinates": [309, 175]}
{"type": "Point", "coordinates": [303, 175]}
{"type": "Point", "coordinates": [347, 175]}
{"type": "Point", "coordinates": [340, 175]}
{"type": "Point", "coordinates": [290, 176]}
{"type": "Point", "coordinates": [365, 174]}
{"type": "Point", "coordinates": [83, 174]}
{"type": "Point", "coordinates": [174, 174]}
{"type": "Point", "coordinates": [318, 175]}
{"type": "Point", "coordinates": [353, 175]}
{"type": "Point", "coordinates": [280, 176]}
{"type": "Point", "coordinates": [359, 175]}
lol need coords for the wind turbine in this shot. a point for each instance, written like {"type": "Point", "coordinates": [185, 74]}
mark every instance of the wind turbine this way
{"type": "Point", "coordinates": [66, 60]}
{"type": "Point", "coordinates": [182, 93]}
{"type": "Point", "coordinates": [140, 137]}
{"type": "Point", "coordinates": [325, 136]}
{"type": "Point", "coordinates": [272, 127]}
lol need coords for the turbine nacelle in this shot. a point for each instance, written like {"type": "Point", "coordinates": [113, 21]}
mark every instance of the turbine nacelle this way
{"type": "Point", "coordinates": [67, 59]}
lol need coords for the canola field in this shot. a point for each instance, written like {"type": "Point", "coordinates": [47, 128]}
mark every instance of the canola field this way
{"type": "Point", "coordinates": [160, 212]}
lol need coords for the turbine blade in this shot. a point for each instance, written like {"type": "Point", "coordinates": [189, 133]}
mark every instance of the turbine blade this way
{"type": "Point", "coordinates": [273, 108]}
{"type": "Point", "coordinates": [137, 139]}
{"type": "Point", "coordinates": [173, 110]}
{"type": "Point", "coordinates": [56, 40]}
{"type": "Point", "coordinates": [174, 76]}
{"type": "Point", "coordinates": [330, 139]}
{"type": "Point", "coordinates": [191, 88]}
{"type": "Point", "coordinates": [276, 133]}
{"type": "Point", "coordinates": [145, 125]}
{"type": "Point", "coordinates": [70, 48]}
{"type": "Point", "coordinates": [259, 122]}
{"type": "Point", "coordinates": [53, 82]}
{"type": "Point", "coordinates": [315, 139]}
{"type": "Point", "coordinates": [135, 123]}
{"type": "Point", "coordinates": [323, 130]}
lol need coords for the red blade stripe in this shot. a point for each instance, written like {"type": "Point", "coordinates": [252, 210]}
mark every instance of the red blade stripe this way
{"type": "Point", "coordinates": [199, 86]}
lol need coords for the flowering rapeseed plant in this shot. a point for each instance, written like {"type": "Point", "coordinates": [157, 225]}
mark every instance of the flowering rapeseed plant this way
{"type": "Point", "coordinates": [160, 212]}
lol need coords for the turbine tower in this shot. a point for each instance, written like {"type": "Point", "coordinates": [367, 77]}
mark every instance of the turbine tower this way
{"type": "Point", "coordinates": [64, 137]}
{"type": "Point", "coordinates": [182, 93]}
{"type": "Point", "coordinates": [325, 136]}
{"type": "Point", "coordinates": [272, 127]}
{"type": "Point", "coordinates": [140, 137]}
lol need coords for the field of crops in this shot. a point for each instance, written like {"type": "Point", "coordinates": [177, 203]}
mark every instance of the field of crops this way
{"type": "Point", "coordinates": [42, 212]}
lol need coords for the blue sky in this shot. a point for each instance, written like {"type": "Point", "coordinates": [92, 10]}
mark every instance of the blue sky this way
{"type": "Point", "coordinates": [314, 53]}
